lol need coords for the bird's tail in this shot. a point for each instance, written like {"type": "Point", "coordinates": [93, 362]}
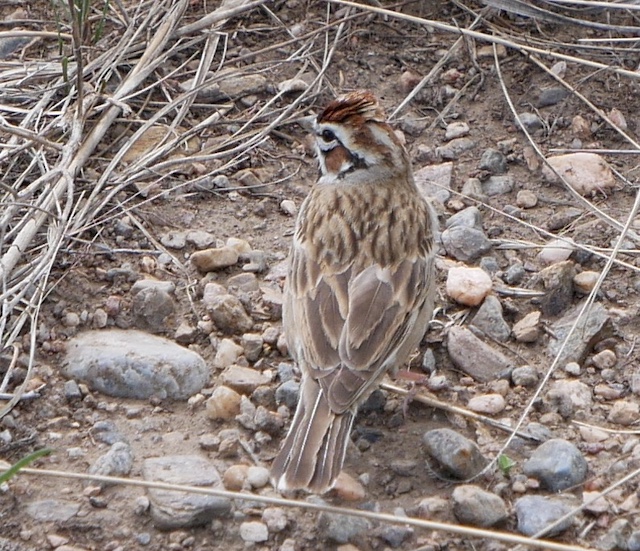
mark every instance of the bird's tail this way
{"type": "Point", "coordinates": [312, 454]}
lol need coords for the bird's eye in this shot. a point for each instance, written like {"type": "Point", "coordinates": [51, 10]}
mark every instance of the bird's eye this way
{"type": "Point", "coordinates": [328, 135]}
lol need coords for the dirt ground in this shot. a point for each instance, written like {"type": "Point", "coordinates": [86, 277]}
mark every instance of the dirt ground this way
{"type": "Point", "coordinates": [387, 56]}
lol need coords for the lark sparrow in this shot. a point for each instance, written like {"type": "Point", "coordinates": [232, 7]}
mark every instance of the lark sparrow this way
{"type": "Point", "coordinates": [360, 286]}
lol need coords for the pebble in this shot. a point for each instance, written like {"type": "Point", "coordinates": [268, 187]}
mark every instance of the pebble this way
{"type": "Point", "coordinates": [624, 412]}
{"type": "Point", "coordinates": [585, 281]}
{"type": "Point", "coordinates": [456, 454]}
{"type": "Point", "coordinates": [456, 129]}
{"type": "Point", "coordinates": [454, 148]}
{"type": "Point", "coordinates": [174, 240]}
{"type": "Point", "coordinates": [241, 246]}
{"type": "Point", "coordinates": [133, 364]}
{"type": "Point", "coordinates": [275, 518]}
{"type": "Point", "coordinates": [489, 319]}
{"type": "Point", "coordinates": [488, 404]}
{"type": "Point", "coordinates": [234, 477]}
{"type": "Point", "coordinates": [288, 393]}
{"type": "Point", "coordinates": [525, 376]}
{"type": "Point", "coordinates": [497, 185]}
{"type": "Point", "coordinates": [246, 282]}
{"type": "Point", "coordinates": [243, 379]}
{"type": "Point", "coordinates": [210, 260]}
{"type": "Point", "coordinates": [200, 239]}
{"type": "Point", "coordinates": [223, 404]}
{"type": "Point", "coordinates": [227, 353]}
{"type": "Point", "coordinates": [395, 534]}
{"type": "Point", "coordinates": [573, 368]}
{"type": "Point", "coordinates": [106, 432]}
{"type": "Point", "coordinates": [591, 328]}
{"type": "Point", "coordinates": [617, 118]}
{"type": "Point", "coordinates": [468, 286]}
{"type": "Point", "coordinates": [118, 461]}
{"type": "Point", "coordinates": [228, 86]}
{"type": "Point", "coordinates": [534, 513]}
{"type": "Point", "coordinates": [434, 181]}
{"type": "Point", "coordinates": [72, 390]}
{"type": "Point", "coordinates": [557, 250]}
{"type": "Point", "coordinates": [605, 359]}
{"type": "Point", "coordinates": [477, 507]}
{"type": "Point", "coordinates": [514, 274]}
{"type": "Point", "coordinates": [252, 346]}
{"type": "Point", "coordinates": [342, 528]}
{"type": "Point", "coordinates": [100, 318]}
{"type": "Point", "coordinates": [257, 477]}
{"type": "Point", "coordinates": [292, 85]}
{"type": "Point", "coordinates": [464, 243]}
{"type": "Point", "coordinates": [595, 503]}
{"type": "Point", "coordinates": [580, 127]}
{"type": "Point", "coordinates": [528, 328]}
{"type": "Point", "coordinates": [469, 218]}
{"type": "Point", "coordinates": [586, 173]}
{"type": "Point", "coordinates": [551, 96]}
{"type": "Point", "coordinates": [557, 464]}
{"type": "Point", "coordinates": [254, 532]}
{"type": "Point", "coordinates": [229, 315]}
{"type": "Point", "coordinates": [151, 307]}
{"type": "Point", "coordinates": [567, 396]}
{"type": "Point", "coordinates": [348, 488]}
{"type": "Point", "coordinates": [526, 199]}
{"type": "Point", "coordinates": [289, 207]}
{"type": "Point", "coordinates": [435, 508]}
{"type": "Point", "coordinates": [493, 161]}
{"type": "Point", "coordinates": [52, 510]}
{"type": "Point", "coordinates": [530, 121]}
{"type": "Point", "coordinates": [175, 510]}
{"type": "Point", "coordinates": [473, 356]}
{"type": "Point", "coordinates": [472, 188]}
{"type": "Point", "coordinates": [185, 333]}
{"type": "Point", "coordinates": [255, 261]}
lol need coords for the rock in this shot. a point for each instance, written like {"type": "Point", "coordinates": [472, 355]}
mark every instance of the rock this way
{"type": "Point", "coordinates": [435, 181]}
{"type": "Point", "coordinates": [606, 359]}
{"type": "Point", "coordinates": [254, 532]}
{"type": "Point", "coordinates": [514, 274]}
{"type": "Point", "coordinates": [72, 391]}
{"type": "Point", "coordinates": [257, 477]}
{"type": "Point", "coordinates": [580, 127]}
{"type": "Point", "coordinates": [243, 379]}
{"type": "Point", "coordinates": [106, 432]}
{"type": "Point", "coordinates": [52, 510]}
{"type": "Point", "coordinates": [224, 403]}
{"type": "Point", "coordinates": [348, 488]}
{"type": "Point", "coordinates": [435, 508]}
{"type": "Point", "coordinates": [473, 356]}
{"type": "Point", "coordinates": [118, 461]}
{"type": "Point", "coordinates": [493, 161]}
{"type": "Point", "coordinates": [535, 513]}
{"type": "Point", "coordinates": [528, 328]}
{"type": "Point", "coordinates": [585, 281]}
{"type": "Point", "coordinates": [171, 510]}
{"type": "Point", "coordinates": [246, 282]}
{"type": "Point", "coordinates": [234, 477]}
{"type": "Point", "coordinates": [210, 260]}
{"type": "Point", "coordinates": [288, 207]}
{"type": "Point", "coordinates": [275, 518]}
{"type": "Point", "coordinates": [595, 503]}
{"type": "Point", "coordinates": [342, 528]}
{"type": "Point", "coordinates": [530, 121]}
{"type": "Point", "coordinates": [255, 261]}
{"type": "Point", "coordinates": [174, 240]}
{"type": "Point", "coordinates": [526, 199]}
{"type": "Point", "coordinates": [456, 454]}
{"type": "Point", "coordinates": [617, 537]}
{"type": "Point", "coordinates": [557, 464]}
{"type": "Point", "coordinates": [287, 393]}
{"type": "Point", "coordinates": [252, 346]}
{"type": "Point", "coordinates": [200, 239]}
{"type": "Point", "coordinates": [497, 185]}
{"type": "Point", "coordinates": [525, 376]}
{"type": "Point", "coordinates": [150, 309]}
{"type": "Point", "coordinates": [228, 85]}
{"type": "Point", "coordinates": [468, 218]}
{"type": "Point", "coordinates": [133, 364]}
{"type": "Point", "coordinates": [558, 284]}
{"type": "Point", "coordinates": [567, 396]}
{"type": "Point", "coordinates": [456, 129]}
{"type": "Point", "coordinates": [241, 246]}
{"type": "Point", "coordinates": [593, 327]}
{"type": "Point", "coordinates": [475, 506]}
{"type": "Point", "coordinates": [551, 96]}
{"type": "Point", "coordinates": [456, 147]}
{"type": "Point", "coordinates": [557, 250]}
{"type": "Point", "coordinates": [624, 413]}
{"type": "Point", "coordinates": [488, 404]}
{"type": "Point", "coordinates": [227, 353]}
{"type": "Point", "coordinates": [563, 218]}
{"type": "Point", "coordinates": [292, 85]}
{"type": "Point", "coordinates": [465, 244]}
{"type": "Point", "coordinates": [617, 118]}
{"type": "Point", "coordinates": [587, 173]}
{"type": "Point", "coordinates": [473, 188]}
{"type": "Point", "coordinates": [468, 286]}
{"type": "Point", "coordinates": [229, 315]}
{"type": "Point", "coordinates": [394, 535]}
{"type": "Point", "coordinates": [489, 320]}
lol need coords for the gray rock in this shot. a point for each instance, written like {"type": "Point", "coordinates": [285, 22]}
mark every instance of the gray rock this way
{"type": "Point", "coordinates": [106, 432]}
{"type": "Point", "coordinates": [560, 220]}
{"type": "Point", "coordinates": [456, 129]}
{"type": "Point", "coordinates": [395, 534]}
{"type": "Point", "coordinates": [255, 261]}
{"type": "Point", "coordinates": [200, 239]}
{"type": "Point", "coordinates": [254, 532]}
{"type": "Point", "coordinates": [514, 274]}
{"type": "Point", "coordinates": [435, 181]}
{"type": "Point", "coordinates": [593, 327]}
{"type": "Point", "coordinates": [229, 315]}
{"type": "Point", "coordinates": [52, 510]}
{"type": "Point", "coordinates": [287, 393]}
{"type": "Point", "coordinates": [475, 357]}
{"type": "Point", "coordinates": [558, 284]}
{"type": "Point", "coordinates": [174, 240]}
{"type": "Point", "coordinates": [551, 96]}
{"type": "Point", "coordinates": [252, 346]}
{"type": "Point", "coordinates": [534, 513]}
{"type": "Point", "coordinates": [456, 454]}
{"type": "Point", "coordinates": [490, 321]}
{"type": "Point", "coordinates": [524, 376]}
{"type": "Point", "coordinates": [475, 506]}
{"type": "Point", "coordinates": [72, 390]}
{"type": "Point", "coordinates": [142, 284]}
{"type": "Point", "coordinates": [465, 244]}
{"type": "Point", "coordinates": [246, 282]}
{"type": "Point", "coordinates": [133, 364]}
{"type": "Point", "coordinates": [473, 188]}
{"type": "Point", "coordinates": [429, 361]}
{"type": "Point", "coordinates": [229, 85]}
{"type": "Point", "coordinates": [286, 371]}
{"type": "Point", "coordinates": [489, 264]}
{"type": "Point", "coordinates": [497, 185]}
{"type": "Point", "coordinates": [469, 218]}
{"type": "Point", "coordinates": [118, 461]}
{"type": "Point", "coordinates": [557, 464]}
{"type": "Point", "coordinates": [342, 528]}
{"type": "Point", "coordinates": [150, 309]}
{"type": "Point", "coordinates": [633, 543]}
{"type": "Point", "coordinates": [456, 147]}
{"type": "Point", "coordinates": [565, 397]}
{"type": "Point", "coordinates": [528, 328]}
{"type": "Point", "coordinates": [493, 161]}
{"type": "Point", "coordinates": [530, 121]}
{"type": "Point", "coordinates": [618, 536]}
{"type": "Point", "coordinates": [172, 510]}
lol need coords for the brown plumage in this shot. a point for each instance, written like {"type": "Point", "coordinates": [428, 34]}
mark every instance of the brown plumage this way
{"type": "Point", "coordinates": [360, 288]}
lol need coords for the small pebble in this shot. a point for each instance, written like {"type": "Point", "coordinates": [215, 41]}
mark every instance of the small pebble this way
{"type": "Point", "coordinates": [289, 207]}
{"type": "Point", "coordinates": [606, 359]}
{"type": "Point", "coordinates": [468, 286]}
{"type": "Point", "coordinates": [224, 403]}
{"type": "Point", "coordinates": [489, 404]}
{"type": "Point", "coordinates": [234, 477]}
{"type": "Point", "coordinates": [585, 281]}
{"type": "Point", "coordinates": [275, 518]}
{"type": "Point", "coordinates": [348, 488]}
{"type": "Point", "coordinates": [624, 412]}
{"type": "Point", "coordinates": [257, 477]}
{"type": "Point", "coordinates": [557, 250]}
{"type": "Point", "coordinates": [210, 260]}
{"type": "Point", "coordinates": [254, 532]}
{"type": "Point", "coordinates": [526, 199]}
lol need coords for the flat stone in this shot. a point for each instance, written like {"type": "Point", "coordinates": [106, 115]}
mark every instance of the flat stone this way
{"type": "Point", "coordinates": [497, 185]}
{"type": "Point", "coordinates": [489, 319]}
{"type": "Point", "coordinates": [464, 243]}
{"type": "Point", "coordinates": [488, 404]}
{"type": "Point", "coordinates": [118, 461]}
{"type": "Point", "coordinates": [210, 260]}
{"type": "Point", "coordinates": [435, 181]}
{"type": "Point", "coordinates": [587, 173]}
{"type": "Point", "coordinates": [254, 532]}
{"type": "Point", "coordinates": [171, 510]}
{"type": "Point", "coordinates": [52, 510]}
{"type": "Point", "coordinates": [243, 379]}
{"type": "Point", "coordinates": [528, 328]}
{"type": "Point", "coordinates": [456, 147]}
{"type": "Point", "coordinates": [200, 239]}
{"type": "Point", "coordinates": [133, 364]}
{"type": "Point", "coordinates": [624, 412]}
{"type": "Point", "coordinates": [558, 284]}
{"type": "Point", "coordinates": [473, 356]}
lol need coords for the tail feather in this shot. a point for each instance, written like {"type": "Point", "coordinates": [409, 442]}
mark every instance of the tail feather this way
{"type": "Point", "coordinates": [312, 454]}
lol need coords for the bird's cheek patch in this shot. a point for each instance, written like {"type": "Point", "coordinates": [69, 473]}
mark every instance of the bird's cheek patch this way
{"type": "Point", "coordinates": [337, 160]}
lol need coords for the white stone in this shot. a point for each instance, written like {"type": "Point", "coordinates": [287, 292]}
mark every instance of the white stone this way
{"type": "Point", "coordinates": [227, 353]}
{"type": "Point", "coordinates": [557, 250]}
{"type": "Point", "coordinates": [587, 173]}
{"type": "Point", "coordinates": [254, 532]}
{"type": "Point", "coordinates": [468, 286]}
{"type": "Point", "coordinates": [489, 404]}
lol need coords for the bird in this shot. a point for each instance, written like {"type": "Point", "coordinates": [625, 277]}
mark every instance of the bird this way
{"type": "Point", "coordinates": [359, 291]}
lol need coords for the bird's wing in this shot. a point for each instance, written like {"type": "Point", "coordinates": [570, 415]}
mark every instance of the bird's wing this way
{"type": "Point", "coordinates": [348, 326]}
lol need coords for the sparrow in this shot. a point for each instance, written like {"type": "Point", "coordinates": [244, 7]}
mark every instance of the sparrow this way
{"type": "Point", "coordinates": [360, 287]}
